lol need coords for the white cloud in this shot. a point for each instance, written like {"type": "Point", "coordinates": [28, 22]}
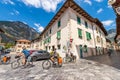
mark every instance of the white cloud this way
{"type": "Point", "coordinates": [24, 22]}
{"type": "Point", "coordinates": [15, 12]}
{"type": "Point", "coordinates": [88, 1]}
{"type": "Point", "coordinates": [12, 13]}
{"type": "Point", "coordinates": [108, 22]}
{"type": "Point", "coordinates": [38, 27]}
{"type": "Point", "coordinates": [100, 10]}
{"type": "Point", "coordinates": [8, 2]}
{"type": "Point", "coordinates": [99, 0]}
{"type": "Point", "coordinates": [47, 5]}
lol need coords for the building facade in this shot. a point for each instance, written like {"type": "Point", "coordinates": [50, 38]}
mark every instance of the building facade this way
{"type": "Point", "coordinates": [73, 28]}
{"type": "Point", "coordinates": [22, 43]}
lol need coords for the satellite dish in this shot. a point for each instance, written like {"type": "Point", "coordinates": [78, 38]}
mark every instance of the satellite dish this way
{"type": "Point", "coordinates": [110, 2]}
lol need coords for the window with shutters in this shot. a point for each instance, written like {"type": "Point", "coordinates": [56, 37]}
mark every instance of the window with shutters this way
{"type": "Point", "coordinates": [59, 23]}
{"type": "Point", "coordinates": [59, 46]}
{"type": "Point", "coordinates": [58, 35]}
{"type": "Point", "coordinates": [78, 20]}
{"type": "Point", "coordinates": [85, 48]}
{"type": "Point", "coordinates": [80, 33]}
{"type": "Point", "coordinates": [49, 39]}
{"type": "Point", "coordinates": [88, 35]}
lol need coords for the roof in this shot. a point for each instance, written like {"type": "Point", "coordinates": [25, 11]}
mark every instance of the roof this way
{"type": "Point", "coordinates": [22, 40]}
{"type": "Point", "coordinates": [78, 9]}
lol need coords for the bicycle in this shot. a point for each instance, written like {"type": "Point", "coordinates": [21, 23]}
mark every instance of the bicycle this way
{"type": "Point", "coordinates": [17, 63]}
{"type": "Point", "coordinates": [71, 58]}
{"type": "Point", "coordinates": [46, 64]}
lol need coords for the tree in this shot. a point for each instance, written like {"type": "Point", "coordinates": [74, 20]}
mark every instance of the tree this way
{"type": "Point", "coordinates": [9, 45]}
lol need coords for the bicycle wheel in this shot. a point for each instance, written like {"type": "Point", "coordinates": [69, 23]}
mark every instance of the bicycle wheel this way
{"type": "Point", "coordinates": [46, 64]}
{"type": "Point", "coordinates": [15, 64]}
{"type": "Point", "coordinates": [66, 59]}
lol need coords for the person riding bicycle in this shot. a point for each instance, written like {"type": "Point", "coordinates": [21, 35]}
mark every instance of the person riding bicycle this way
{"type": "Point", "coordinates": [25, 54]}
{"type": "Point", "coordinates": [55, 55]}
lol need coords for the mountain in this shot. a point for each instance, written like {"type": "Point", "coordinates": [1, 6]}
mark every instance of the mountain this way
{"type": "Point", "coordinates": [14, 30]}
{"type": "Point", "coordinates": [111, 34]}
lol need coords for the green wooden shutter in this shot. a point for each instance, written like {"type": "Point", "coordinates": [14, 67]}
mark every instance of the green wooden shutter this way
{"type": "Point", "coordinates": [88, 35]}
{"type": "Point", "coordinates": [59, 23]}
{"type": "Point", "coordinates": [78, 20]}
{"type": "Point", "coordinates": [49, 39]}
{"type": "Point", "coordinates": [80, 33]}
{"type": "Point", "coordinates": [58, 35]}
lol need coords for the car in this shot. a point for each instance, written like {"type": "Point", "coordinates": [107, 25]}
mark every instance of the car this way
{"type": "Point", "coordinates": [7, 51]}
{"type": "Point", "coordinates": [31, 51]}
{"type": "Point", "coordinates": [40, 55]}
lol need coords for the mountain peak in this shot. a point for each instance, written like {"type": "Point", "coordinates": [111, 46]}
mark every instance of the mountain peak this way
{"type": "Point", "coordinates": [17, 30]}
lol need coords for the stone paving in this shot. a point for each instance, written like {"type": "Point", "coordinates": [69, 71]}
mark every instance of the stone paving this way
{"type": "Point", "coordinates": [113, 60]}
{"type": "Point", "coordinates": [81, 70]}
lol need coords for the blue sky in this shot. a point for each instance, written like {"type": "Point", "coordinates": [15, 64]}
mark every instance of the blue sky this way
{"type": "Point", "coordinates": [38, 13]}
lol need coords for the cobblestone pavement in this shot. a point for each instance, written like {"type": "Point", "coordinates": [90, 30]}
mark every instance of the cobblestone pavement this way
{"type": "Point", "coordinates": [113, 60]}
{"type": "Point", "coordinates": [81, 70]}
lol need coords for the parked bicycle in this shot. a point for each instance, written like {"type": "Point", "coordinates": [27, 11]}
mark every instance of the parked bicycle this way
{"type": "Point", "coordinates": [69, 58]}
{"type": "Point", "coordinates": [18, 63]}
{"type": "Point", "coordinates": [46, 64]}
{"type": "Point", "coordinates": [5, 60]}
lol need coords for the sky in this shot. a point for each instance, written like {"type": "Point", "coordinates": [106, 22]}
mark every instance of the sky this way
{"type": "Point", "coordinates": [38, 13]}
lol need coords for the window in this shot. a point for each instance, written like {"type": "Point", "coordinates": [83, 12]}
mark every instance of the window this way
{"type": "Point", "coordinates": [50, 31]}
{"type": "Point", "coordinates": [28, 46]}
{"type": "Point", "coordinates": [46, 34]}
{"type": "Point", "coordinates": [85, 49]}
{"type": "Point", "coordinates": [58, 46]}
{"type": "Point", "coordinates": [58, 35]}
{"type": "Point", "coordinates": [96, 29]}
{"type": "Point", "coordinates": [59, 23]}
{"type": "Point", "coordinates": [98, 39]}
{"type": "Point", "coordinates": [49, 47]}
{"type": "Point", "coordinates": [79, 33]}
{"type": "Point", "coordinates": [86, 24]}
{"type": "Point", "coordinates": [49, 39]}
{"type": "Point", "coordinates": [44, 41]}
{"type": "Point", "coordinates": [88, 35]}
{"type": "Point", "coordinates": [19, 46]}
{"type": "Point", "coordinates": [78, 20]}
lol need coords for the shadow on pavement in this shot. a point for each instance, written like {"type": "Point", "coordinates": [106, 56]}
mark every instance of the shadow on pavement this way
{"type": "Point", "coordinates": [113, 60]}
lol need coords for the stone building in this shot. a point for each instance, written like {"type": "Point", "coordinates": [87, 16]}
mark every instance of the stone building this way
{"type": "Point", "coordinates": [73, 28]}
{"type": "Point", "coordinates": [22, 43]}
